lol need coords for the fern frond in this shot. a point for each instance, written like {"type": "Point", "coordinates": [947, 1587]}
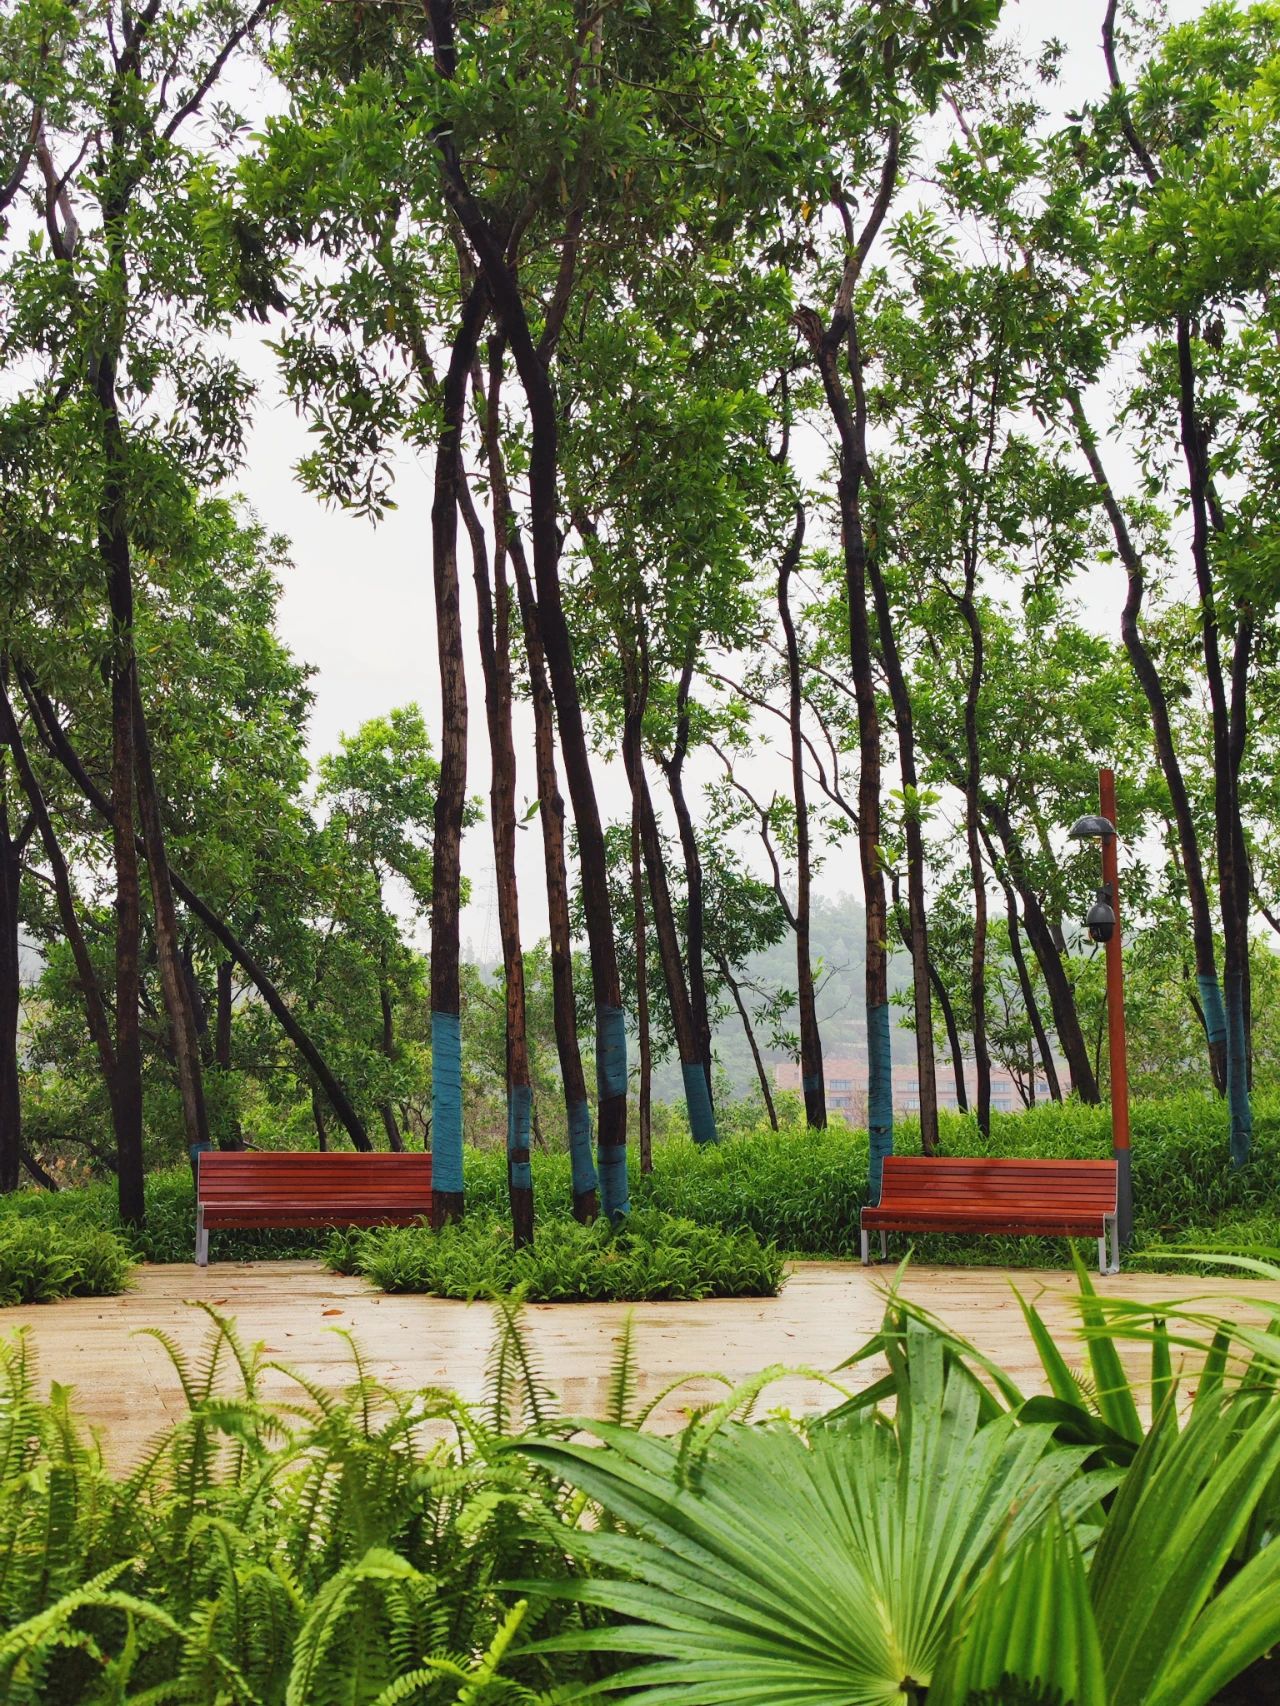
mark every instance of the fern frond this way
{"type": "Point", "coordinates": [623, 1374]}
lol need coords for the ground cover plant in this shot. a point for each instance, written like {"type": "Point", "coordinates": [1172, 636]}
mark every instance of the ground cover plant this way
{"type": "Point", "coordinates": [801, 1190]}
{"type": "Point", "coordinates": [650, 1256]}
{"type": "Point", "coordinates": [42, 1260]}
{"type": "Point", "coordinates": [899, 1549]}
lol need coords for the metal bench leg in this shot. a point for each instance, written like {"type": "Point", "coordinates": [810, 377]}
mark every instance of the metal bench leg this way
{"type": "Point", "coordinates": [1102, 1253]}
{"type": "Point", "coordinates": [202, 1240]}
{"type": "Point", "coordinates": [884, 1246]}
{"type": "Point", "coordinates": [1115, 1245]}
{"type": "Point", "coordinates": [866, 1249]}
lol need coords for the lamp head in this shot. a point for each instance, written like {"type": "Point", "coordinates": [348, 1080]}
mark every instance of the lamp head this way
{"type": "Point", "coordinates": [1090, 828]}
{"type": "Point", "coordinates": [1101, 918]}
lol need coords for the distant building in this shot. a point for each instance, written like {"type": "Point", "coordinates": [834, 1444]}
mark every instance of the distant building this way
{"type": "Point", "coordinates": [846, 1082]}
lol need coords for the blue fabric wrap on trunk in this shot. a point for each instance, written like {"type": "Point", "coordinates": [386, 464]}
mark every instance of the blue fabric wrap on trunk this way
{"type": "Point", "coordinates": [1239, 1108]}
{"type": "Point", "coordinates": [879, 1096]}
{"type": "Point", "coordinates": [519, 1121]}
{"type": "Point", "coordinates": [611, 1052]}
{"type": "Point", "coordinates": [810, 1081]}
{"type": "Point", "coordinates": [1215, 1014]}
{"type": "Point", "coordinates": [581, 1160]}
{"type": "Point", "coordinates": [697, 1096]}
{"type": "Point", "coordinates": [611, 1081]}
{"type": "Point", "coordinates": [446, 1102]}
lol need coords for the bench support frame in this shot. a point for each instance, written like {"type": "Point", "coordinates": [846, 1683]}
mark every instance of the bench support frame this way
{"type": "Point", "coordinates": [202, 1238]}
{"type": "Point", "coordinates": [1108, 1260]}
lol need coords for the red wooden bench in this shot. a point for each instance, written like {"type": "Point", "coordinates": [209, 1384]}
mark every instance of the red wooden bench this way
{"type": "Point", "coordinates": [307, 1188]}
{"type": "Point", "coordinates": [1049, 1199]}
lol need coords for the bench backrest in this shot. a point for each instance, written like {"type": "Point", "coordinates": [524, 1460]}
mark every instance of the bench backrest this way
{"type": "Point", "coordinates": [1088, 1186]}
{"type": "Point", "coordinates": [305, 1178]}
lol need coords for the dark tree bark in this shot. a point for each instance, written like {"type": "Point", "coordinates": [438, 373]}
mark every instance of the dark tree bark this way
{"type": "Point", "coordinates": [1144, 667]}
{"type": "Point", "coordinates": [173, 981]}
{"type": "Point", "coordinates": [1062, 999]}
{"type": "Point", "coordinates": [695, 928]}
{"type": "Point", "coordinates": [550, 812]}
{"type": "Point", "coordinates": [811, 1073]}
{"type": "Point", "coordinates": [1044, 1048]}
{"type": "Point", "coordinates": [726, 972]}
{"type": "Point", "coordinates": [493, 605]}
{"type": "Point", "coordinates": [631, 746]}
{"type": "Point", "coordinates": [977, 871]}
{"type": "Point", "coordinates": [702, 1125]}
{"type": "Point", "coordinates": [10, 998]}
{"type": "Point", "coordinates": [532, 364]}
{"type": "Point", "coordinates": [451, 790]}
{"type": "Point", "coordinates": [395, 1142]}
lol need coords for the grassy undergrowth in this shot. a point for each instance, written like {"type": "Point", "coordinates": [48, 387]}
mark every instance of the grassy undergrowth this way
{"type": "Point", "coordinates": [654, 1256]}
{"type": "Point", "coordinates": [801, 1190]}
{"type": "Point", "coordinates": [41, 1260]}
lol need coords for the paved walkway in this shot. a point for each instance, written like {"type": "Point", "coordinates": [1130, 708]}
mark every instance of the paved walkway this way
{"type": "Point", "coordinates": [125, 1386]}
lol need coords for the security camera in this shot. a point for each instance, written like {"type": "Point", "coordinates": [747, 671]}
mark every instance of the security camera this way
{"type": "Point", "coordinates": [1101, 919]}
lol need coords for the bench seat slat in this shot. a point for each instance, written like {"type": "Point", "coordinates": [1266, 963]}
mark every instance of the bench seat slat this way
{"type": "Point", "coordinates": [308, 1189]}
{"type": "Point", "coordinates": [1049, 1198]}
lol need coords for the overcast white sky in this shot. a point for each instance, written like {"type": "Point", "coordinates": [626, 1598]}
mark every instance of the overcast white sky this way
{"type": "Point", "coordinates": [357, 604]}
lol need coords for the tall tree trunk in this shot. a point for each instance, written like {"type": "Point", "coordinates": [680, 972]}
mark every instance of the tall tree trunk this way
{"type": "Point", "coordinates": [10, 998]}
{"type": "Point", "coordinates": [702, 1121]}
{"type": "Point", "coordinates": [640, 933]}
{"type": "Point", "coordinates": [395, 1141]}
{"type": "Point", "coordinates": [451, 790]}
{"type": "Point", "coordinates": [173, 982]}
{"type": "Point", "coordinates": [223, 993]}
{"type": "Point", "coordinates": [1144, 667]}
{"type": "Point", "coordinates": [113, 550]}
{"type": "Point", "coordinates": [584, 1180]}
{"type": "Point", "coordinates": [695, 911]}
{"type": "Point", "coordinates": [977, 871]}
{"type": "Point", "coordinates": [493, 606]}
{"type": "Point", "coordinates": [953, 1037]}
{"type": "Point", "coordinates": [735, 990]}
{"type": "Point", "coordinates": [917, 919]}
{"type": "Point", "coordinates": [812, 1080]}
{"type": "Point", "coordinates": [1228, 726]}
{"type": "Point", "coordinates": [532, 365]}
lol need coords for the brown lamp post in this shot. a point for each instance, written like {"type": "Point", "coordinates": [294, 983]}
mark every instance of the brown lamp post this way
{"type": "Point", "coordinates": [1103, 922]}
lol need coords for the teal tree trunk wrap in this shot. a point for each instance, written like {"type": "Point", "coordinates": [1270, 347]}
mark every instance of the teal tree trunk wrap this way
{"type": "Point", "coordinates": [611, 1081]}
{"type": "Point", "coordinates": [1239, 1110]}
{"type": "Point", "coordinates": [1215, 1014]}
{"type": "Point", "coordinates": [697, 1095]}
{"type": "Point", "coordinates": [581, 1161]}
{"type": "Point", "coordinates": [519, 1171]}
{"type": "Point", "coordinates": [879, 1096]}
{"type": "Point", "coordinates": [446, 1102]}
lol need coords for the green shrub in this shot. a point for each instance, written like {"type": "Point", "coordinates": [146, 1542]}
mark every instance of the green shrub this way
{"type": "Point", "coordinates": [41, 1262]}
{"type": "Point", "coordinates": [653, 1256]}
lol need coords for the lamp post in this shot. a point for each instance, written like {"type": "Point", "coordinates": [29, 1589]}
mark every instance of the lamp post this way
{"type": "Point", "coordinates": [1103, 921]}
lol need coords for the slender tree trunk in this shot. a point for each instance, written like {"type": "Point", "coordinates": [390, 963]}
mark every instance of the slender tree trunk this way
{"type": "Point", "coordinates": [96, 1017]}
{"type": "Point", "coordinates": [1044, 1048]}
{"type": "Point", "coordinates": [695, 927]}
{"type": "Point", "coordinates": [640, 933]}
{"type": "Point", "coordinates": [531, 364]}
{"type": "Point", "coordinates": [749, 1030]}
{"type": "Point", "coordinates": [113, 550]}
{"type": "Point", "coordinates": [10, 999]}
{"type": "Point", "coordinates": [395, 1141]}
{"type": "Point", "coordinates": [917, 920]}
{"type": "Point", "coordinates": [1144, 667]}
{"type": "Point", "coordinates": [850, 424]}
{"type": "Point", "coordinates": [451, 790]}
{"type": "Point", "coordinates": [953, 1038]}
{"type": "Point", "coordinates": [55, 740]}
{"type": "Point", "coordinates": [317, 1115]}
{"type": "Point", "coordinates": [977, 871]}
{"type": "Point", "coordinates": [551, 817]}
{"type": "Point", "coordinates": [493, 605]}
{"type": "Point", "coordinates": [234, 1138]}
{"type": "Point", "coordinates": [702, 1123]}
{"type": "Point", "coordinates": [173, 983]}
{"type": "Point", "coordinates": [1062, 999]}
{"type": "Point", "coordinates": [811, 1069]}
{"type": "Point", "coordinates": [1228, 725]}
